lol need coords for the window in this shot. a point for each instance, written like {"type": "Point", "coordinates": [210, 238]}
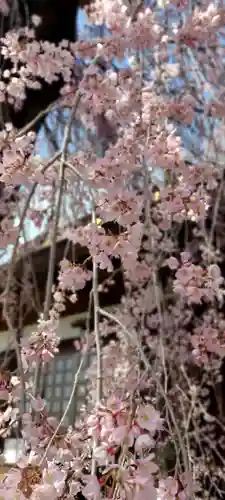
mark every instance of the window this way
{"type": "Point", "coordinates": [58, 383]}
{"type": "Point", "coordinates": [57, 380]}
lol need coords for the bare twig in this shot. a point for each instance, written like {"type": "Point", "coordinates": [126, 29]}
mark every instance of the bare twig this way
{"type": "Point", "coordinates": [97, 338]}
{"type": "Point", "coordinates": [38, 117]}
{"type": "Point", "coordinates": [52, 257]}
{"type": "Point", "coordinates": [96, 327]}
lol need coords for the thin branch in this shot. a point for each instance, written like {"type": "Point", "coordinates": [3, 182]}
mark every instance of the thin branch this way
{"type": "Point", "coordinates": [97, 339]}
{"type": "Point", "coordinates": [52, 256]}
{"type": "Point", "coordinates": [96, 325]}
{"type": "Point", "coordinates": [38, 117]}
{"type": "Point", "coordinates": [58, 208]}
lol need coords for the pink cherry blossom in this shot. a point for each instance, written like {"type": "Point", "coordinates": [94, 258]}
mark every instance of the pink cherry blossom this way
{"type": "Point", "coordinates": [144, 441]}
{"type": "Point", "coordinates": [148, 418]}
{"type": "Point", "coordinates": [44, 492]}
{"type": "Point", "coordinates": [168, 489]}
{"type": "Point", "coordinates": [145, 492]}
{"type": "Point", "coordinates": [92, 489]}
{"type": "Point", "coordinates": [173, 263]}
{"type": "Point", "coordinates": [55, 477]}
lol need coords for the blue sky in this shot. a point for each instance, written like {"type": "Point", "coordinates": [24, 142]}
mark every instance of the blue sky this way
{"type": "Point", "coordinates": [82, 21]}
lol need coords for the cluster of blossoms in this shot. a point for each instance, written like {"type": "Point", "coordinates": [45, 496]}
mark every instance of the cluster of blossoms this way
{"type": "Point", "coordinates": [195, 283]}
{"type": "Point", "coordinates": [109, 455]}
{"type": "Point", "coordinates": [31, 60]}
{"type": "Point", "coordinates": [42, 344]}
{"type": "Point", "coordinates": [203, 26]}
{"type": "Point", "coordinates": [103, 247]}
{"type": "Point", "coordinates": [120, 428]}
{"type": "Point", "coordinates": [16, 166]}
{"type": "Point", "coordinates": [71, 278]}
{"type": "Point", "coordinates": [209, 337]}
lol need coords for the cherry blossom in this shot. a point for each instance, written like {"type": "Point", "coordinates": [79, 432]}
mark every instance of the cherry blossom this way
{"type": "Point", "coordinates": [155, 355]}
{"type": "Point", "coordinates": [148, 418]}
{"type": "Point", "coordinates": [92, 489]}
